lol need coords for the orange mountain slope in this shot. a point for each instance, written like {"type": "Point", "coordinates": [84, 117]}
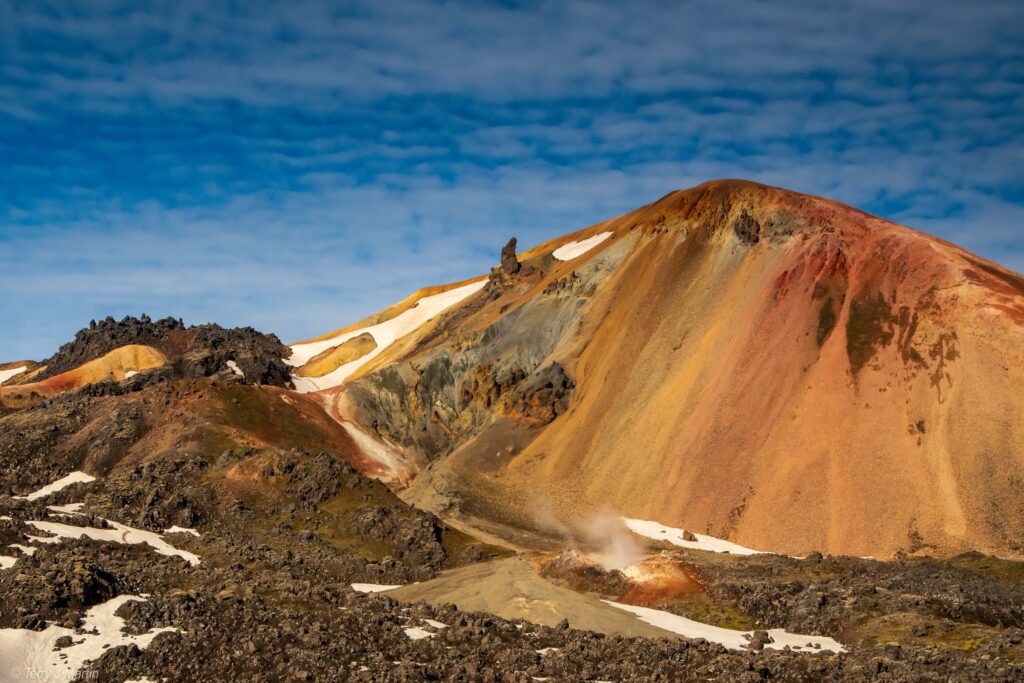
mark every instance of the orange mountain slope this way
{"type": "Point", "coordinates": [773, 368]}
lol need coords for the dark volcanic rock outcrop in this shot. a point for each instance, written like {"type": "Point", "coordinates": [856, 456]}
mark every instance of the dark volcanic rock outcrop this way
{"type": "Point", "coordinates": [196, 351]}
{"type": "Point", "coordinates": [747, 228]}
{"type": "Point", "coordinates": [542, 396]}
{"type": "Point", "coordinates": [258, 355]}
{"type": "Point", "coordinates": [100, 338]}
{"type": "Point", "coordinates": [509, 262]}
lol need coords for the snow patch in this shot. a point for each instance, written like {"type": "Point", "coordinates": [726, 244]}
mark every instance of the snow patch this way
{"type": "Point", "coordinates": [7, 374]}
{"type": "Point", "coordinates": [435, 624]}
{"type": "Point", "coordinates": [130, 373]}
{"type": "Point", "coordinates": [75, 477]}
{"type": "Point", "coordinates": [34, 654]}
{"type": "Point", "coordinates": [546, 650]}
{"type": "Point", "coordinates": [373, 587]}
{"type": "Point", "coordinates": [384, 334]}
{"type": "Point", "coordinates": [416, 633]}
{"type": "Point", "coordinates": [734, 640]}
{"type": "Point", "coordinates": [118, 534]}
{"type": "Point", "coordinates": [27, 549]}
{"type": "Point", "coordinates": [181, 530]}
{"type": "Point", "coordinates": [235, 369]}
{"type": "Point", "coordinates": [571, 250]}
{"type": "Point", "coordinates": [660, 532]}
{"type": "Point", "coordinates": [7, 562]}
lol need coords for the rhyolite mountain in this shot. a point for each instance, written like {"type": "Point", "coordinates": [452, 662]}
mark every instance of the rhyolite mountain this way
{"type": "Point", "coordinates": [765, 366]}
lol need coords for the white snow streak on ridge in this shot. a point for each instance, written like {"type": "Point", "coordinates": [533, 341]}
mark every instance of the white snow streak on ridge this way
{"type": "Point", "coordinates": [7, 562]}
{"type": "Point", "coordinates": [7, 374]}
{"type": "Point", "coordinates": [734, 640]}
{"type": "Point", "coordinates": [571, 250]}
{"type": "Point", "coordinates": [181, 530]}
{"type": "Point", "coordinates": [373, 587]}
{"type": "Point", "coordinates": [660, 532]}
{"type": "Point", "coordinates": [62, 483]}
{"type": "Point", "coordinates": [119, 534]}
{"type": "Point", "coordinates": [384, 334]}
{"type": "Point", "coordinates": [34, 653]}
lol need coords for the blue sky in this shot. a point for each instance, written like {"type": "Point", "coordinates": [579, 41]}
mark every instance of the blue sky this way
{"type": "Point", "coordinates": [297, 165]}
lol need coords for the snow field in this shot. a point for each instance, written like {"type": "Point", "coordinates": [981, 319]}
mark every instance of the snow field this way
{"type": "Point", "coordinates": [571, 250]}
{"type": "Point", "coordinates": [384, 334]}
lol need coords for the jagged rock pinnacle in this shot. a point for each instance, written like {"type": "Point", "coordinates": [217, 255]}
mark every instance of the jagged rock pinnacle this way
{"type": "Point", "coordinates": [509, 262]}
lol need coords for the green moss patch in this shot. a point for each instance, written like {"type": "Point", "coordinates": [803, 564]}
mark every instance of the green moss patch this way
{"type": "Point", "coordinates": [1007, 570]}
{"type": "Point", "coordinates": [907, 628]}
{"type": "Point", "coordinates": [708, 610]}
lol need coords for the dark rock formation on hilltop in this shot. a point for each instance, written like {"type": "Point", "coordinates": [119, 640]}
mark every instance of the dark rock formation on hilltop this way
{"type": "Point", "coordinates": [102, 337]}
{"type": "Point", "coordinates": [199, 350]}
{"type": "Point", "coordinates": [258, 355]}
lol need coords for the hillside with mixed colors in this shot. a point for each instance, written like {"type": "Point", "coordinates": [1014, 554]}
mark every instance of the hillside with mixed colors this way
{"type": "Point", "coordinates": [777, 369]}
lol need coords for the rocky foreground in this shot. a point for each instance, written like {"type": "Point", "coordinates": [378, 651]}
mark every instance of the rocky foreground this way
{"type": "Point", "coordinates": [283, 532]}
{"type": "Point", "coordinates": [191, 523]}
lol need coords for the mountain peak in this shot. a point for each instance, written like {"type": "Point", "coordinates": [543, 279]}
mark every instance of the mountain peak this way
{"type": "Point", "coordinates": [731, 337]}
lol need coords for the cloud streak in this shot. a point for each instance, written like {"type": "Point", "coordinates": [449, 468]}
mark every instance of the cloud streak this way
{"type": "Point", "coordinates": [295, 166]}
